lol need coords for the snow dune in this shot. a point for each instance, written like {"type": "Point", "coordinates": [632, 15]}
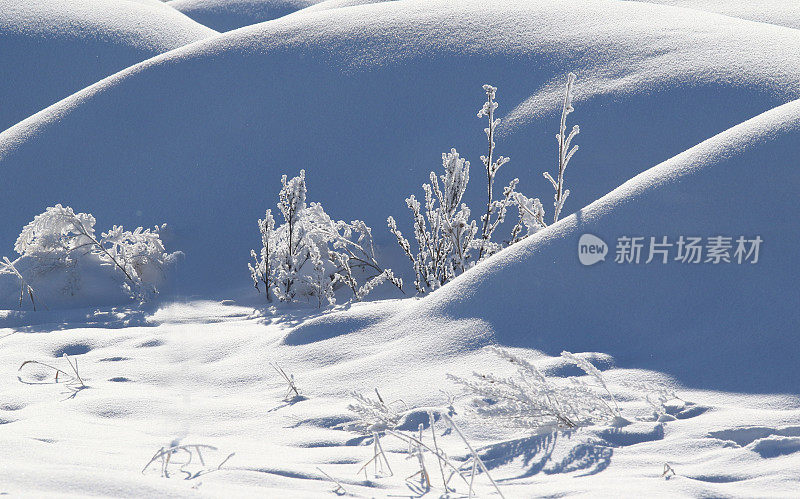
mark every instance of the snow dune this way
{"type": "Point", "coordinates": [777, 12]}
{"type": "Point", "coordinates": [366, 99]}
{"type": "Point", "coordinates": [52, 48]}
{"type": "Point", "coordinates": [676, 318]}
{"type": "Point", "coordinates": [226, 15]}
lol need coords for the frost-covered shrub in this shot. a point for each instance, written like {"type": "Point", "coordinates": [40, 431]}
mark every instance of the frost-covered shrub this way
{"type": "Point", "coordinates": [445, 235]}
{"type": "Point", "coordinates": [372, 415]}
{"type": "Point", "coordinates": [534, 401]}
{"type": "Point", "coordinates": [444, 232]}
{"type": "Point", "coordinates": [56, 240]}
{"type": "Point", "coordinates": [310, 255]}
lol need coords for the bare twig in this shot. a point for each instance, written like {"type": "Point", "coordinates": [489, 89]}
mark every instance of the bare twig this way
{"type": "Point", "coordinates": [7, 267]}
{"type": "Point", "coordinates": [72, 378]}
{"type": "Point", "coordinates": [378, 453]}
{"type": "Point", "coordinates": [475, 456]}
{"type": "Point", "coordinates": [289, 381]}
{"type": "Point", "coordinates": [165, 454]}
{"type": "Point", "coordinates": [339, 490]}
{"type": "Point", "coordinates": [437, 453]}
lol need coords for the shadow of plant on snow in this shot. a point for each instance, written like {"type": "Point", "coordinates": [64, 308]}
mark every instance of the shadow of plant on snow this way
{"type": "Point", "coordinates": [538, 454]}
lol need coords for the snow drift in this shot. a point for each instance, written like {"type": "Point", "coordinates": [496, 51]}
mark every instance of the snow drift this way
{"type": "Point", "coordinates": [367, 98]}
{"type": "Point", "coordinates": [54, 48]}
{"type": "Point", "coordinates": [778, 12]}
{"type": "Point", "coordinates": [676, 318]}
{"type": "Point", "coordinates": [226, 15]}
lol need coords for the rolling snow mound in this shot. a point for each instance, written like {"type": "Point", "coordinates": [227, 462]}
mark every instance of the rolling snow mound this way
{"type": "Point", "coordinates": [226, 15]}
{"type": "Point", "coordinates": [52, 48]}
{"type": "Point", "coordinates": [366, 99]}
{"type": "Point", "coordinates": [677, 318]}
{"type": "Point", "coordinates": [777, 12]}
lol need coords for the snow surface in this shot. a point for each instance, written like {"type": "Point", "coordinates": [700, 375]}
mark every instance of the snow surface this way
{"type": "Point", "coordinates": [199, 373]}
{"type": "Point", "coordinates": [369, 97]}
{"type": "Point", "coordinates": [52, 48]}
{"type": "Point", "coordinates": [690, 125]}
{"type": "Point", "coordinates": [778, 12]}
{"type": "Point", "coordinates": [226, 15]}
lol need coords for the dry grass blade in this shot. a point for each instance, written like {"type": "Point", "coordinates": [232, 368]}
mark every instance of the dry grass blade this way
{"type": "Point", "coordinates": [475, 456]}
{"type": "Point", "coordinates": [7, 267]}
{"type": "Point", "coordinates": [165, 455]}
{"type": "Point", "coordinates": [72, 378]}
{"type": "Point", "coordinates": [289, 381]}
{"type": "Point", "coordinates": [339, 490]}
{"type": "Point", "coordinates": [409, 439]}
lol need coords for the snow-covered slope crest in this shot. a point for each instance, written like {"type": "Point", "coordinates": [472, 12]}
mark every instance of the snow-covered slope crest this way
{"type": "Point", "coordinates": [338, 93]}
{"type": "Point", "coordinates": [677, 318]}
{"type": "Point", "coordinates": [226, 15]}
{"type": "Point", "coordinates": [52, 48]}
{"type": "Point", "coordinates": [778, 12]}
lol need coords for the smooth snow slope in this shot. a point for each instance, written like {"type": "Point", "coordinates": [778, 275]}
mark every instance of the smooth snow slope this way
{"type": "Point", "coordinates": [226, 15]}
{"type": "Point", "coordinates": [366, 99]}
{"type": "Point", "coordinates": [726, 327]}
{"type": "Point", "coordinates": [52, 48]}
{"type": "Point", "coordinates": [778, 12]}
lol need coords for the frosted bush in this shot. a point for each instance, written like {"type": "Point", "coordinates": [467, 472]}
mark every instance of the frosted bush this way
{"type": "Point", "coordinates": [59, 238]}
{"type": "Point", "coordinates": [372, 414]}
{"type": "Point", "coordinates": [310, 255]}
{"type": "Point", "coordinates": [446, 237]}
{"type": "Point", "coordinates": [444, 232]}
{"type": "Point", "coordinates": [534, 401]}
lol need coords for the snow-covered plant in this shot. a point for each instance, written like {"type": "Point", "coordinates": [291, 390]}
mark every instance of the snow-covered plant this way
{"type": "Point", "coordinates": [534, 401]}
{"type": "Point", "coordinates": [443, 232]}
{"type": "Point", "coordinates": [57, 238]}
{"type": "Point", "coordinates": [564, 151]}
{"type": "Point", "coordinates": [372, 415]}
{"type": "Point", "coordinates": [289, 379]}
{"type": "Point", "coordinates": [495, 209]}
{"type": "Point", "coordinates": [656, 395]}
{"type": "Point", "coordinates": [7, 267]}
{"type": "Point", "coordinates": [310, 255]}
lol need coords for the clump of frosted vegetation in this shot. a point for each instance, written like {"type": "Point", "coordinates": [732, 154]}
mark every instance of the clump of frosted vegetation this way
{"type": "Point", "coordinates": [540, 403]}
{"type": "Point", "coordinates": [310, 256]}
{"type": "Point", "coordinates": [447, 241]}
{"type": "Point", "coordinates": [372, 414]}
{"type": "Point", "coordinates": [59, 240]}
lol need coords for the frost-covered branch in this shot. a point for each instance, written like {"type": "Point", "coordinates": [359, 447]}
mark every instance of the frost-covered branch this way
{"type": "Point", "coordinates": [534, 401]}
{"type": "Point", "coordinates": [492, 165]}
{"type": "Point", "coordinates": [564, 151]}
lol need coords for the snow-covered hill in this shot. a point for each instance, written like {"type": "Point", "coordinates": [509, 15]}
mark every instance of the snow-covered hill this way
{"type": "Point", "coordinates": [777, 12]}
{"type": "Point", "coordinates": [728, 326]}
{"type": "Point", "coordinates": [366, 99]}
{"type": "Point", "coordinates": [690, 128]}
{"type": "Point", "coordinates": [53, 48]}
{"type": "Point", "coordinates": [226, 15]}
